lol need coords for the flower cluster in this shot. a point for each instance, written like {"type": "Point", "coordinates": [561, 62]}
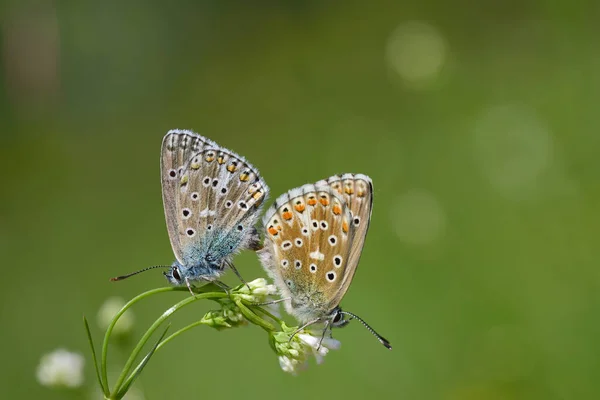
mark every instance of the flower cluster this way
{"type": "Point", "coordinates": [257, 291]}
{"type": "Point", "coordinates": [61, 368]}
{"type": "Point", "coordinates": [295, 351]}
{"type": "Point", "coordinates": [229, 316]}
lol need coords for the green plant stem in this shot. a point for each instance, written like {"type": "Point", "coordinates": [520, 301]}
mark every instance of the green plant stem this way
{"type": "Point", "coordinates": [177, 333]}
{"type": "Point", "coordinates": [138, 348]}
{"type": "Point", "coordinates": [252, 317]}
{"type": "Point", "coordinates": [114, 322]}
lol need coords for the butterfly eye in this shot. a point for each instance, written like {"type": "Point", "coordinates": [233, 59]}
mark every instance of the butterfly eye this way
{"type": "Point", "coordinates": [339, 317]}
{"type": "Point", "coordinates": [175, 273]}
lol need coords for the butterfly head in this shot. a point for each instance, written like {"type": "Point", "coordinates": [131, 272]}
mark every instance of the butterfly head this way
{"type": "Point", "coordinates": [174, 275]}
{"type": "Point", "coordinates": [338, 319]}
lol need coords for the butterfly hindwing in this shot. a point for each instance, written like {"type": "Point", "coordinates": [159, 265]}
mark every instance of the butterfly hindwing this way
{"type": "Point", "coordinates": [223, 192]}
{"type": "Point", "coordinates": [308, 243]}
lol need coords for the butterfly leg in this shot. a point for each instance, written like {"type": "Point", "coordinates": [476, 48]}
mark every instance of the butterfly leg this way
{"type": "Point", "coordinates": [314, 321]}
{"type": "Point", "coordinates": [267, 303]}
{"type": "Point", "coordinates": [189, 286]}
{"type": "Point", "coordinates": [236, 272]}
{"type": "Point", "coordinates": [327, 327]}
{"type": "Point", "coordinates": [223, 286]}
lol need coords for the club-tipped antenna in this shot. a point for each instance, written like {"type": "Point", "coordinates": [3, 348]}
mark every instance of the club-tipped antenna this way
{"type": "Point", "coordinates": [120, 278]}
{"type": "Point", "coordinates": [381, 339]}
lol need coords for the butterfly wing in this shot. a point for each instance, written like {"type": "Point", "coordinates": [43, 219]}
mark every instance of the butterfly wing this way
{"type": "Point", "coordinates": [357, 190]}
{"type": "Point", "coordinates": [178, 146]}
{"type": "Point", "coordinates": [211, 205]}
{"type": "Point", "coordinates": [309, 248]}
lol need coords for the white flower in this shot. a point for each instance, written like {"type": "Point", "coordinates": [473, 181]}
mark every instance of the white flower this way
{"type": "Point", "coordinates": [61, 368]}
{"type": "Point", "coordinates": [319, 351]}
{"type": "Point", "coordinates": [291, 365]}
{"type": "Point", "coordinates": [259, 291]}
{"type": "Point", "coordinates": [107, 312]}
{"type": "Point", "coordinates": [294, 353]}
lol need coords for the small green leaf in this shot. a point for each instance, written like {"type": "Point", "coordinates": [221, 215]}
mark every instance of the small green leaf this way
{"type": "Point", "coordinates": [138, 370]}
{"type": "Point", "coordinates": [89, 335]}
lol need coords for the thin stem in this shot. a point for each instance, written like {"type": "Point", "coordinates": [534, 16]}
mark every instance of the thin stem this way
{"type": "Point", "coordinates": [179, 332]}
{"type": "Point", "coordinates": [265, 312]}
{"type": "Point", "coordinates": [114, 322]}
{"type": "Point", "coordinates": [138, 348]}
{"type": "Point", "coordinates": [252, 317]}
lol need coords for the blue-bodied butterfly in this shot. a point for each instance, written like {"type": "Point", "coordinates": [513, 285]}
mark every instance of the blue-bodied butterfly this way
{"type": "Point", "coordinates": [212, 198]}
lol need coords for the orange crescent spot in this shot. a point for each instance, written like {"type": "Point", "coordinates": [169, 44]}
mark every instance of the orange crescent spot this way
{"type": "Point", "coordinates": [348, 190]}
{"type": "Point", "coordinates": [312, 202]}
{"type": "Point", "coordinates": [299, 207]}
{"type": "Point", "coordinates": [273, 231]}
{"type": "Point", "coordinates": [345, 227]}
{"type": "Point", "coordinates": [324, 201]}
{"type": "Point", "coordinates": [257, 195]}
{"type": "Point", "coordinates": [244, 177]}
{"type": "Point", "coordinates": [220, 160]}
{"type": "Point", "coordinates": [287, 215]}
{"type": "Point", "coordinates": [337, 210]}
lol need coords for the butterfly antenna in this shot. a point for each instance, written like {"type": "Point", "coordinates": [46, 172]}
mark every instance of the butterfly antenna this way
{"type": "Point", "coordinates": [120, 278]}
{"type": "Point", "coordinates": [381, 339]}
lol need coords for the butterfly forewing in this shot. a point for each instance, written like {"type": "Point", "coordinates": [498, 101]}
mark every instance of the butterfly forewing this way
{"type": "Point", "coordinates": [357, 191]}
{"type": "Point", "coordinates": [178, 147]}
{"type": "Point", "coordinates": [308, 245]}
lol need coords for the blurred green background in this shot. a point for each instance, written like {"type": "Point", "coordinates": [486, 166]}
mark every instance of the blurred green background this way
{"type": "Point", "coordinates": [477, 122]}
